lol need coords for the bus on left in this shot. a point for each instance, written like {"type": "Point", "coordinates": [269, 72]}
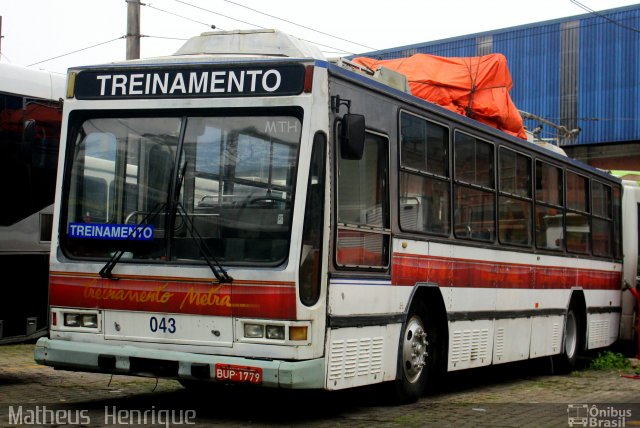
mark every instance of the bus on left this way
{"type": "Point", "coordinates": [30, 118]}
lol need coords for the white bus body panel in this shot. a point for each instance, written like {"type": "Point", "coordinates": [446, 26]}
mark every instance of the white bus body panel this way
{"type": "Point", "coordinates": [472, 342]}
{"type": "Point", "coordinates": [32, 83]}
{"type": "Point", "coordinates": [630, 201]}
{"type": "Point", "coordinates": [24, 236]}
{"type": "Point", "coordinates": [361, 356]}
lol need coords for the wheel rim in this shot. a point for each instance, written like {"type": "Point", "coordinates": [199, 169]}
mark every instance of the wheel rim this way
{"type": "Point", "coordinates": [570, 335]}
{"type": "Point", "coordinates": [414, 349]}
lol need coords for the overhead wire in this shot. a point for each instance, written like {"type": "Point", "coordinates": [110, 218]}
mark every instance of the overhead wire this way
{"type": "Point", "coordinates": [150, 36]}
{"type": "Point", "coordinates": [338, 50]}
{"type": "Point", "coordinates": [77, 50]}
{"type": "Point", "coordinates": [299, 25]}
{"type": "Point", "coordinates": [221, 14]}
{"type": "Point", "coordinates": [163, 37]}
{"type": "Point", "coordinates": [150, 5]}
{"type": "Point", "coordinates": [121, 37]}
{"type": "Point", "coordinates": [596, 13]}
{"type": "Point", "coordinates": [256, 25]}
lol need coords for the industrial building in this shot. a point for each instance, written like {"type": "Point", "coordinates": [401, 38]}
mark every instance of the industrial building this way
{"type": "Point", "coordinates": [580, 75]}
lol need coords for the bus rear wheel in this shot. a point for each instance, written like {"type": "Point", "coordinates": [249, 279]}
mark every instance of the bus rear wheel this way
{"type": "Point", "coordinates": [415, 355]}
{"type": "Point", "coordinates": [565, 361]}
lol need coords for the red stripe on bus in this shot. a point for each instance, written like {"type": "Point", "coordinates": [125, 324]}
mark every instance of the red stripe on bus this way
{"type": "Point", "coordinates": [240, 300]}
{"type": "Point", "coordinates": [408, 269]}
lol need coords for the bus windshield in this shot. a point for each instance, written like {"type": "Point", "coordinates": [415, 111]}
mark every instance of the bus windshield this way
{"type": "Point", "coordinates": [225, 182]}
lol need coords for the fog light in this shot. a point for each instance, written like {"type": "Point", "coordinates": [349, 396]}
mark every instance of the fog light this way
{"type": "Point", "coordinates": [89, 320]}
{"type": "Point", "coordinates": [253, 330]}
{"type": "Point", "coordinates": [298, 332]}
{"type": "Point", "coordinates": [275, 332]}
{"type": "Point", "coordinates": [72, 320]}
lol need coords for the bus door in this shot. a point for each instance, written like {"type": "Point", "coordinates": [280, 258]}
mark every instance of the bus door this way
{"type": "Point", "coordinates": [363, 234]}
{"type": "Point", "coordinates": [360, 296]}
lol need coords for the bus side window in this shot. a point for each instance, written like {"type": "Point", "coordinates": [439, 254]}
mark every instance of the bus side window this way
{"type": "Point", "coordinates": [424, 176]}
{"type": "Point", "coordinates": [577, 216]}
{"type": "Point", "coordinates": [474, 189]}
{"type": "Point", "coordinates": [602, 236]}
{"type": "Point", "coordinates": [311, 257]}
{"type": "Point", "coordinates": [514, 203]}
{"type": "Point", "coordinates": [549, 212]}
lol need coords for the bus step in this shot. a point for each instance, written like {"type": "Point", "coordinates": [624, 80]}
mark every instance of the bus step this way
{"type": "Point", "coordinates": [106, 362]}
{"type": "Point", "coordinates": [149, 366]}
{"type": "Point", "coordinates": [201, 371]}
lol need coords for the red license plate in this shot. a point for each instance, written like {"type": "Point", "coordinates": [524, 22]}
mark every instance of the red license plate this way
{"type": "Point", "coordinates": [241, 374]}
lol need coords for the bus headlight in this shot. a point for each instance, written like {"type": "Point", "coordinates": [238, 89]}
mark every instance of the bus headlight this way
{"type": "Point", "coordinates": [79, 319]}
{"type": "Point", "coordinates": [285, 332]}
{"type": "Point", "coordinates": [275, 332]}
{"type": "Point", "coordinates": [253, 331]}
{"type": "Point", "coordinates": [89, 320]}
{"type": "Point", "coordinates": [72, 320]}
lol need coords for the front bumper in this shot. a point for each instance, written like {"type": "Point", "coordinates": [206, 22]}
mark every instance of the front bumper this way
{"type": "Point", "coordinates": [135, 361]}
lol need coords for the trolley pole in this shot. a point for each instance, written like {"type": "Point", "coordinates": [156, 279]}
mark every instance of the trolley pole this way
{"type": "Point", "coordinates": [133, 29]}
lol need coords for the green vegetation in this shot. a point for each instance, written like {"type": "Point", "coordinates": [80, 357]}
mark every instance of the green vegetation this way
{"type": "Point", "coordinates": [608, 360]}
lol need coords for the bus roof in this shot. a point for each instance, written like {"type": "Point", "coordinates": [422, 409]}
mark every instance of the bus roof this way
{"type": "Point", "coordinates": [373, 83]}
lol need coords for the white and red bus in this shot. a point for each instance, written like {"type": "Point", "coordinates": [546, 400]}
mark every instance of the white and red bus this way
{"type": "Point", "coordinates": [30, 120]}
{"type": "Point", "coordinates": [246, 211]}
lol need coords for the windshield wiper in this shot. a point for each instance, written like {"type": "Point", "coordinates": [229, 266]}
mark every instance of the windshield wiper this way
{"type": "Point", "coordinates": [218, 271]}
{"type": "Point", "coordinates": [105, 272]}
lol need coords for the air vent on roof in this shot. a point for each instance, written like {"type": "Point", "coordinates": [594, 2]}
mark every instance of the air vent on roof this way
{"type": "Point", "coordinates": [267, 43]}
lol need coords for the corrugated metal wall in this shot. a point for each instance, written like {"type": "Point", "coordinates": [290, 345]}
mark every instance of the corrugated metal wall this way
{"type": "Point", "coordinates": [610, 86]}
{"type": "Point", "coordinates": [582, 71]}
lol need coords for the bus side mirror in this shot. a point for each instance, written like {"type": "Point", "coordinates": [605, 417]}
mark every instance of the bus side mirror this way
{"type": "Point", "coordinates": [352, 136]}
{"type": "Point", "coordinates": [29, 131]}
{"type": "Point", "coordinates": [28, 138]}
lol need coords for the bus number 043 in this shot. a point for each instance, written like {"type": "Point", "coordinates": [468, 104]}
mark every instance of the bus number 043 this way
{"type": "Point", "coordinates": [165, 325]}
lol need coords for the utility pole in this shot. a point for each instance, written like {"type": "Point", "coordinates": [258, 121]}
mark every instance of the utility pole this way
{"type": "Point", "coordinates": [133, 29]}
{"type": "Point", "coordinates": [1, 36]}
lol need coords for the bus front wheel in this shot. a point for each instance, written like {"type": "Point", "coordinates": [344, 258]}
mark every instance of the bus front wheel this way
{"type": "Point", "coordinates": [416, 355]}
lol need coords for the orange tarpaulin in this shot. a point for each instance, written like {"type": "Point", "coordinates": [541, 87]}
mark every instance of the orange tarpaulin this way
{"type": "Point", "coordinates": [477, 87]}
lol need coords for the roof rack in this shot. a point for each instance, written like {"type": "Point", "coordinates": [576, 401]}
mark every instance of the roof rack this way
{"type": "Point", "coordinates": [384, 75]}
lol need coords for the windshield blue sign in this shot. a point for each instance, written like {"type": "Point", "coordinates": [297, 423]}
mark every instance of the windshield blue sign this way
{"type": "Point", "coordinates": [111, 231]}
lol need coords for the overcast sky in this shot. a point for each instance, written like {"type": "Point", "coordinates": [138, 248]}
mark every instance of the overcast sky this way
{"type": "Point", "coordinates": [34, 31]}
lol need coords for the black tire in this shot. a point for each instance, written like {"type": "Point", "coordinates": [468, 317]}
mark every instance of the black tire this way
{"type": "Point", "coordinates": [416, 356]}
{"type": "Point", "coordinates": [565, 362]}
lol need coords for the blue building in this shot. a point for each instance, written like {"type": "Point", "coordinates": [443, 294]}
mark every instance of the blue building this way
{"type": "Point", "coordinates": [580, 72]}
